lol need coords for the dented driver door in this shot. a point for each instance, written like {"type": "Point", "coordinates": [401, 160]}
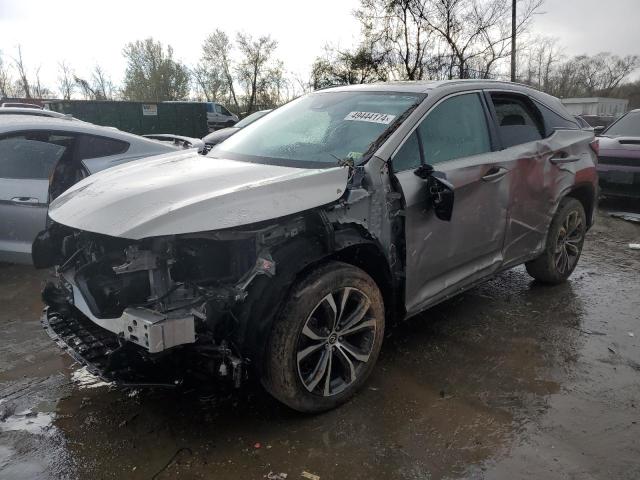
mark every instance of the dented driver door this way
{"type": "Point", "coordinates": [444, 256]}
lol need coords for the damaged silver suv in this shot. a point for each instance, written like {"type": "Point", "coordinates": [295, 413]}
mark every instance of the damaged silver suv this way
{"type": "Point", "coordinates": [281, 254]}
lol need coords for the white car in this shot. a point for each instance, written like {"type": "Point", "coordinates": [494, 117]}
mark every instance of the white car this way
{"type": "Point", "coordinates": [36, 149]}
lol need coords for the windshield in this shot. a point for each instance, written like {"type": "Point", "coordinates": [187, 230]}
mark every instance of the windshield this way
{"type": "Point", "coordinates": [321, 127]}
{"type": "Point", "coordinates": [251, 118]}
{"type": "Point", "coordinates": [628, 126]}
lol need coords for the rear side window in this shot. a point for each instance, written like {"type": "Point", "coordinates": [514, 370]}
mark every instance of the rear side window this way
{"type": "Point", "coordinates": [456, 128]}
{"type": "Point", "coordinates": [95, 147]}
{"type": "Point", "coordinates": [554, 121]}
{"type": "Point", "coordinates": [32, 155]}
{"type": "Point", "coordinates": [518, 120]}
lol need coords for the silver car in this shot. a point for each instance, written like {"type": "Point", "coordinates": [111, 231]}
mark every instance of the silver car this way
{"type": "Point", "coordinates": [285, 257]}
{"type": "Point", "coordinates": [36, 146]}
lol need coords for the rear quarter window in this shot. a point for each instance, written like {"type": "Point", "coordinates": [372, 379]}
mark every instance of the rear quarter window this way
{"type": "Point", "coordinates": [95, 147]}
{"type": "Point", "coordinates": [554, 121]}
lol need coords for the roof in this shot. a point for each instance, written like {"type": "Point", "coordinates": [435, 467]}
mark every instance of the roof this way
{"type": "Point", "coordinates": [12, 123]}
{"type": "Point", "coordinates": [36, 112]}
{"type": "Point", "coordinates": [592, 100]}
{"type": "Point", "coordinates": [424, 86]}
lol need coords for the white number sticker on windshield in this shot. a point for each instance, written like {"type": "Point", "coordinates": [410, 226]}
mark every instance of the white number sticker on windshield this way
{"type": "Point", "coordinates": [372, 117]}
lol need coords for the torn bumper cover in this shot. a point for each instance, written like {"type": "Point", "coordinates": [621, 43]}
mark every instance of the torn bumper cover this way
{"type": "Point", "coordinates": [87, 343]}
{"type": "Point", "coordinates": [106, 355]}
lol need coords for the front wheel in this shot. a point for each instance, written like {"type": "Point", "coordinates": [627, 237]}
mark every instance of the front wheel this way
{"type": "Point", "coordinates": [564, 244]}
{"type": "Point", "coordinates": [326, 340]}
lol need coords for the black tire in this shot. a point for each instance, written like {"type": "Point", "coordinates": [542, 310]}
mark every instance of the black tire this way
{"type": "Point", "coordinates": [301, 343]}
{"type": "Point", "coordinates": [564, 244]}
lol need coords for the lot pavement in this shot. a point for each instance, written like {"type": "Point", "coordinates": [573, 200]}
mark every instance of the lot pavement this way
{"type": "Point", "coordinates": [509, 380]}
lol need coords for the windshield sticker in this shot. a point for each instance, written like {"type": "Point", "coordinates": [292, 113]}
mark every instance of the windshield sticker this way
{"type": "Point", "coordinates": [372, 117]}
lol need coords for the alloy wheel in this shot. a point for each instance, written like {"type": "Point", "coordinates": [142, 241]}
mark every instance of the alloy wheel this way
{"type": "Point", "coordinates": [336, 342]}
{"type": "Point", "coordinates": [569, 242]}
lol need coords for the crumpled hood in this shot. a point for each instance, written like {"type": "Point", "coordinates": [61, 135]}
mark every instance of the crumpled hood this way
{"type": "Point", "coordinates": [187, 192]}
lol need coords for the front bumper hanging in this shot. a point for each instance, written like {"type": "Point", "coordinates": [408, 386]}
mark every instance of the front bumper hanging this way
{"type": "Point", "coordinates": [105, 354]}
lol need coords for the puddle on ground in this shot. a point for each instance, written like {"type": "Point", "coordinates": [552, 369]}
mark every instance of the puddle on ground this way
{"type": "Point", "coordinates": [36, 423]}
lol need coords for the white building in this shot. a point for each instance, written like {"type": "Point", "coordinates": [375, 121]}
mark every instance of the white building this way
{"type": "Point", "coordinates": [596, 106]}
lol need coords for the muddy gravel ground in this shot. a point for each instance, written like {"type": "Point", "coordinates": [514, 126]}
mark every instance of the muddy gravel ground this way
{"type": "Point", "coordinates": [510, 380]}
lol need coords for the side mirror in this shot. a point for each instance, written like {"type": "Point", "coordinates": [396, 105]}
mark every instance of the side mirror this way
{"type": "Point", "coordinates": [440, 193]}
{"type": "Point", "coordinates": [598, 130]}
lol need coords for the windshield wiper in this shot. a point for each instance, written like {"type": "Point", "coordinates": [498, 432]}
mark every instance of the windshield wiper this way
{"type": "Point", "coordinates": [343, 162]}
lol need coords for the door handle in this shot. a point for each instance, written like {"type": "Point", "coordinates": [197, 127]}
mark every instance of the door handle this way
{"type": "Point", "coordinates": [562, 158]}
{"type": "Point", "coordinates": [25, 200]}
{"type": "Point", "coordinates": [495, 173]}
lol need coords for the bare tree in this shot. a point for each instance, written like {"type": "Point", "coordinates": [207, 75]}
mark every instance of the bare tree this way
{"type": "Point", "coordinates": [102, 84]}
{"type": "Point", "coordinates": [539, 62]}
{"type": "Point", "coordinates": [603, 72]}
{"type": "Point", "coordinates": [216, 52]}
{"type": "Point", "coordinates": [543, 66]}
{"type": "Point", "coordinates": [86, 89]}
{"type": "Point", "coordinates": [38, 89]}
{"type": "Point", "coordinates": [6, 81]}
{"type": "Point", "coordinates": [347, 67]}
{"type": "Point", "coordinates": [66, 81]}
{"type": "Point", "coordinates": [398, 32]}
{"type": "Point", "coordinates": [22, 74]}
{"type": "Point", "coordinates": [99, 87]}
{"type": "Point", "coordinates": [209, 81]}
{"type": "Point", "coordinates": [476, 31]}
{"type": "Point", "coordinates": [254, 70]}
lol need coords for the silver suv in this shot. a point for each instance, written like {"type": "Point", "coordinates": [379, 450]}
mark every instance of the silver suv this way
{"type": "Point", "coordinates": [284, 252]}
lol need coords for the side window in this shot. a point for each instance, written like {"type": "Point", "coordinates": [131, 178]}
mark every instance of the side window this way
{"type": "Point", "coordinates": [408, 157]}
{"type": "Point", "coordinates": [209, 107]}
{"type": "Point", "coordinates": [32, 155]}
{"type": "Point", "coordinates": [225, 111]}
{"type": "Point", "coordinates": [218, 108]}
{"type": "Point", "coordinates": [518, 120]}
{"type": "Point", "coordinates": [553, 121]}
{"type": "Point", "coordinates": [456, 128]}
{"type": "Point", "coordinates": [95, 147]}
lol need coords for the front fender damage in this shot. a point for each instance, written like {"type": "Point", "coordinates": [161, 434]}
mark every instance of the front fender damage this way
{"type": "Point", "coordinates": [200, 303]}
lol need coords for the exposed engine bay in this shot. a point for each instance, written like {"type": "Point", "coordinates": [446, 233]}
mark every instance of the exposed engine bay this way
{"type": "Point", "coordinates": [162, 292]}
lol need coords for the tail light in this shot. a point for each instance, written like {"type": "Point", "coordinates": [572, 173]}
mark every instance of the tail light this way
{"type": "Point", "coordinates": [595, 146]}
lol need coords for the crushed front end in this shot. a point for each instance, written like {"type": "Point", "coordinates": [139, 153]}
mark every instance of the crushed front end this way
{"type": "Point", "coordinates": [153, 310]}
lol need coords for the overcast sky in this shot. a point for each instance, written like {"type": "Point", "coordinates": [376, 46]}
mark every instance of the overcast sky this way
{"type": "Point", "coordinates": [86, 32]}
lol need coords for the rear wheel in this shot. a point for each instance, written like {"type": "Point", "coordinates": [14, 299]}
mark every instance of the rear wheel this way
{"type": "Point", "coordinates": [564, 244]}
{"type": "Point", "coordinates": [326, 341]}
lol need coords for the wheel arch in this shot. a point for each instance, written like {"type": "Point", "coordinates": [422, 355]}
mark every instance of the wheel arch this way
{"type": "Point", "coordinates": [369, 257]}
{"type": "Point", "coordinates": [586, 194]}
{"type": "Point", "coordinates": [295, 259]}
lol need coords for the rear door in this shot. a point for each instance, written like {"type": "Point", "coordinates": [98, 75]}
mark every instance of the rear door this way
{"type": "Point", "coordinates": [537, 143]}
{"type": "Point", "coordinates": [27, 160]}
{"type": "Point", "coordinates": [457, 138]}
